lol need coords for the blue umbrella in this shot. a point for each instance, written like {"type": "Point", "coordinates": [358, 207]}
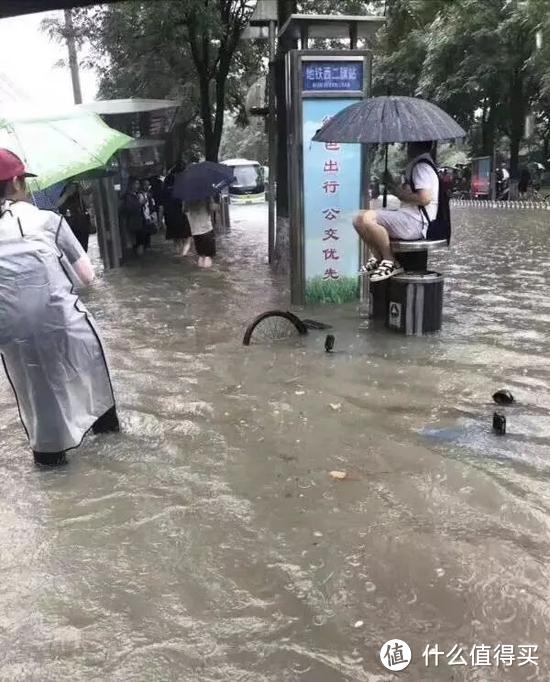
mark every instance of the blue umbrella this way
{"type": "Point", "coordinates": [47, 198]}
{"type": "Point", "coordinates": [200, 181]}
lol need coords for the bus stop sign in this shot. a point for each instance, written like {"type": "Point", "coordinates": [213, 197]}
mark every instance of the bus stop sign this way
{"type": "Point", "coordinates": [325, 178]}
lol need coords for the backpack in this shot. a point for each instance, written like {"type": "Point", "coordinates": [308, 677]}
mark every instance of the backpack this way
{"type": "Point", "coordinates": [440, 227]}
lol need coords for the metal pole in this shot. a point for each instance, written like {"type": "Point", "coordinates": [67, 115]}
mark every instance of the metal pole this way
{"type": "Point", "coordinates": [272, 137]}
{"type": "Point", "coordinates": [493, 176]}
{"type": "Point", "coordinates": [353, 33]}
{"type": "Point", "coordinates": [73, 59]}
{"type": "Point", "coordinates": [364, 288]}
{"type": "Point", "coordinates": [385, 198]}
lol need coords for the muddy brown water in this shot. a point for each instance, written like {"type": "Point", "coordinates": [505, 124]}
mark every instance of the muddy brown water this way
{"type": "Point", "coordinates": [208, 541]}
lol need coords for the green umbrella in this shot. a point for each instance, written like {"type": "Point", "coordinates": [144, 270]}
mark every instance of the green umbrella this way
{"type": "Point", "coordinates": [59, 146]}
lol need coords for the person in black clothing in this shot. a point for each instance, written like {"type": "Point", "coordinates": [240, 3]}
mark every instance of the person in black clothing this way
{"type": "Point", "coordinates": [72, 208]}
{"type": "Point", "coordinates": [524, 180]}
{"type": "Point", "coordinates": [177, 224]}
{"type": "Point", "coordinates": [156, 192]}
{"type": "Point", "coordinates": [133, 203]}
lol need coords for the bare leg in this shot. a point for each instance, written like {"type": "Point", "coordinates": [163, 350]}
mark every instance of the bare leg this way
{"type": "Point", "coordinates": [374, 235]}
{"type": "Point", "coordinates": [186, 246]}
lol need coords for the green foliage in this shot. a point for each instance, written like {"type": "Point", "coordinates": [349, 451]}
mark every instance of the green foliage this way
{"type": "Point", "coordinates": [343, 290]}
{"type": "Point", "coordinates": [353, 7]}
{"type": "Point", "coordinates": [474, 59]}
{"type": "Point", "coordinates": [188, 50]}
{"type": "Point", "coordinates": [248, 141]}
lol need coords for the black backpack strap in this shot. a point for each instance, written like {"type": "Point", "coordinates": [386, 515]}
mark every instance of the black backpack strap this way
{"type": "Point", "coordinates": [434, 168]}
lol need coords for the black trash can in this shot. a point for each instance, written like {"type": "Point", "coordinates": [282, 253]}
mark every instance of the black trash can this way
{"type": "Point", "coordinates": [379, 299]}
{"type": "Point", "coordinates": [415, 303]}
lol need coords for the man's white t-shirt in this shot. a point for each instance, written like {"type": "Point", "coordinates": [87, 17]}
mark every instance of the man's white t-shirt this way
{"type": "Point", "coordinates": [423, 177]}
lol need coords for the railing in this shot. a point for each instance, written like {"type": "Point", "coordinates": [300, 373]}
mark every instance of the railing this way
{"type": "Point", "coordinates": [488, 203]}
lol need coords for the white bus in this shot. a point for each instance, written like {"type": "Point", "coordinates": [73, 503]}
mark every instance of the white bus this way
{"type": "Point", "coordinates": [249, 184]}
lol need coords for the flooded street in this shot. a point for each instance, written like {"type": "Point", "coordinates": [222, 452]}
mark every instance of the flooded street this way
{"type": "Point", "coordinates": [208, 542]}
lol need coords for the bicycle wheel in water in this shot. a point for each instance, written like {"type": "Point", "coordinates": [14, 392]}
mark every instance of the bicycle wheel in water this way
{"type": "Point", "coordinates": [274, 325]}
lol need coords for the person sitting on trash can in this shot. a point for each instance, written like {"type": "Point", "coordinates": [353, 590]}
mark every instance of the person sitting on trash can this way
{"type": "Point", "coordinates": [50, 347]}
{"type": "Point", "coordinates": [419, 200]}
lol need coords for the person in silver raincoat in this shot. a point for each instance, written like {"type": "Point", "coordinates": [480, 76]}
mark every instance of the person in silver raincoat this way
{"type": "Point", "coordinates": [50, 347]}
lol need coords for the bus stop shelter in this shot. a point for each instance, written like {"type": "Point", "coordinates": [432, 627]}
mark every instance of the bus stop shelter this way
{"type": "Point", "coordinates": [149, 122]}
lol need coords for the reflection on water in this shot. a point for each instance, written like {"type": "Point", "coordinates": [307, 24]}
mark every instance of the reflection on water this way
{"type": "Point", "coordinates": [208, 541]}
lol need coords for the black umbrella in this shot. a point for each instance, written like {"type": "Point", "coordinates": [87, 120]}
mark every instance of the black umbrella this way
{"type": "Point", "coordinates": [385, 120]}
{"type": "Point", "coordinates": [201, 181]}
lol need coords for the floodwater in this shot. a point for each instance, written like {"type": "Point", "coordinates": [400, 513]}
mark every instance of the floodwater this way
{"type": "Point", "coordinates": [208, 542]}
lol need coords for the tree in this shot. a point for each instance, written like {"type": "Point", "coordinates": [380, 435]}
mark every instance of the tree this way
{"type": "Point", "coordinates": [182, 49]}
{"type": "Point", "coordinates": [213, 31]}
{"type": "Point", "coordinates": [473, 59]}
{"type": "Point", "coordinates": [249, 142]}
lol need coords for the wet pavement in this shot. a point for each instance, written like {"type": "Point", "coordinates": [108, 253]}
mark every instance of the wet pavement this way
{"type": "Point", "coordinates": [208, 540]}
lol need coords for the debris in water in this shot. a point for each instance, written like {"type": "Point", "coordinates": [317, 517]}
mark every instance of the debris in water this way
{"type": "Point", "coordinates": [338, 475]}
{"type": "Point", "coordinates": [314, 324]}
{"type": "Point", "coordinates": [299, 392]}
{"type": "Point", "coordinates": [318, 534]}
{"type": "Point", "coordinates": [503, 397]}
{"type": "Point", "coordinates": [499, 423]}
{"type": "Point", "coordinates": [336, 406]}
{"type": "Point", "coordinates": [358, 624]}
{"type": "Point", "coordinates": [329, 343]}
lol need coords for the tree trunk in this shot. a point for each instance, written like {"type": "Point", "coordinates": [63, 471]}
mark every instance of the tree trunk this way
{"type": "Point", "coordinates": [517, 121]}
{"type": "Point", "coordinates": [488, 128]}
{"type": "Point", "coordinates": [73, 57]}
{"type": "Point", "coordinates": [221, 80]}
{"type": "Point", "coordinates": [546, 147]}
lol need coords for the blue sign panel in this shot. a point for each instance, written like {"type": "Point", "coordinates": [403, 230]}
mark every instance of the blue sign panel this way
{"type": "Point", "coordinates": [332, 196]}
{"type": "Point", "coordinates": [333, 76]}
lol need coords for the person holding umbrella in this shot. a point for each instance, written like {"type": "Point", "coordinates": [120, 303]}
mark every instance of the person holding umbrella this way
{"type": "Point", "coordinates": [199, 214]}
{"type": "Point", "coordinates": [425, 208]}
{"type": "Point", "coordinates": [196, 187]}
{"type": "Point", "coordinates": [419, 197]}
{"type": "Point", "coordinates": [50, 347]}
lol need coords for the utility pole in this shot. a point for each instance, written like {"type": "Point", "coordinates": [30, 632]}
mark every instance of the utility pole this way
{"type": "Point", "coordinates": [282, 242]}
{"type": "Point", "coordinates": [73, 58]}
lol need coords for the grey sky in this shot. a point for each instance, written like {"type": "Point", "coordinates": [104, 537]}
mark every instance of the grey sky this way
{"type": "Point", "coordinates": [27, 63]}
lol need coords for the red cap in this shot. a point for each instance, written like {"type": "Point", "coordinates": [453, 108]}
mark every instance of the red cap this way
{"type": "Point", "coordinates": [11, 166]}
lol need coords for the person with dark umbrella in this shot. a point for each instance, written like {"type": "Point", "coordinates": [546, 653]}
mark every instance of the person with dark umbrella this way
{"type": "Point", "coordinates": [419, 198]}
{"type": "Point", "coordinates": [424, 211]}
{"type": "Point", "coordinates": [196, 187]}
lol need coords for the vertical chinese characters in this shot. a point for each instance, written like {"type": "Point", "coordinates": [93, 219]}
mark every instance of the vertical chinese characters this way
{"type": "Point", "coordinates": [331, 211]}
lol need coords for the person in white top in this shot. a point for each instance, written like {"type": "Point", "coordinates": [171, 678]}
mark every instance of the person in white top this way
{"type": "Point", "coordinates": [199, 214]}
{"type": "Point", "coordinates": [419, 198]}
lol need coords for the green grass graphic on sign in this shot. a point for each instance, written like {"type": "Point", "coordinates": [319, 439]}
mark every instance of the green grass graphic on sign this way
{"type": "Point", "coordinates": [342, 290]}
